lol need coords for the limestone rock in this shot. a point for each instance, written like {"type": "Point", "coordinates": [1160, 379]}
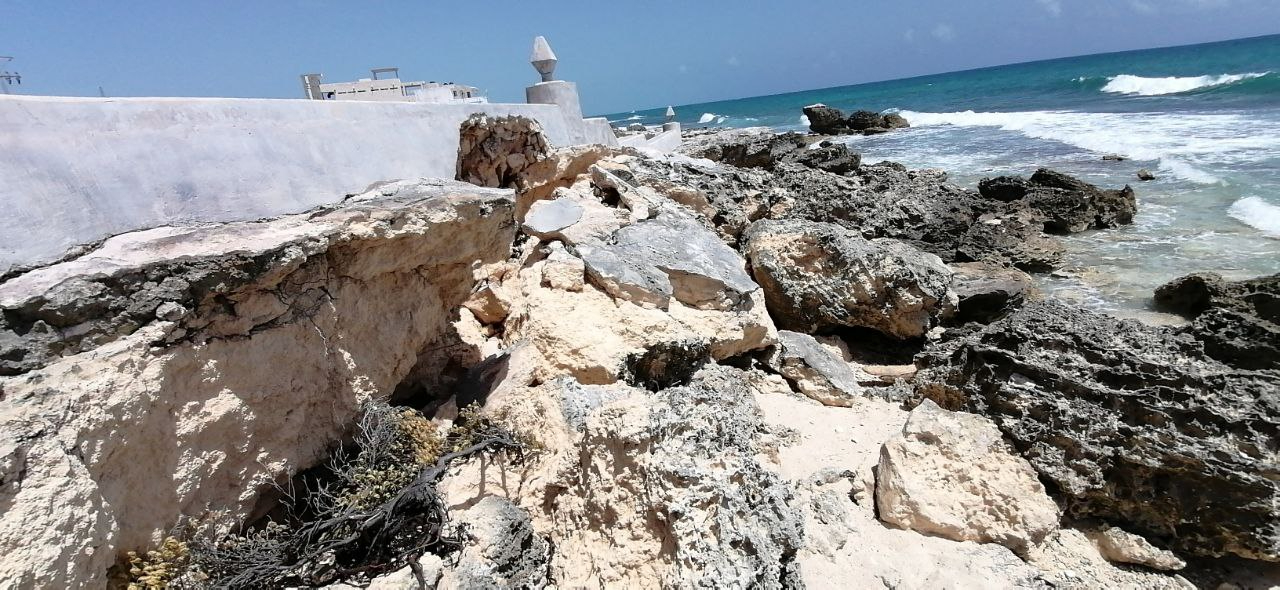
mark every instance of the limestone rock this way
{"type": "Point", "coordinates": [495, 151]}
{"type": "Point", "coordinates": [1120, 546]}
{"type": "Point", "coordinates": [1134, 425]}
{"type": "Point", "coordinates": [987, 292]}
{"type": "Point", "coordinates": [820, 275]}
{"type": "Point", "coordinates": [1067, 204]}
{"type": "Point", "coordinates": [562, 270]}
{"type": "Point", "coordinates": [590, 334]}
{"type": "Point", "coordinates": [816, 371]}
{"type": "Point", "coordinates": [547, 217]}
{"type": "Point", "coordinates": [949, 474]}
{"type": "Point", "coordinates": [292, 323]}
{"type": "Point", "coordinates": [827, 120]}
{"type": "Point", "coordinates": [1014, 236]}
{"type": "Point", "coordinates": [670, 256]}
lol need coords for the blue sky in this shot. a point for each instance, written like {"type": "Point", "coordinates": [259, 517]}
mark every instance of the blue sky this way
{"type": "Point", "coordinates": [622, 55]}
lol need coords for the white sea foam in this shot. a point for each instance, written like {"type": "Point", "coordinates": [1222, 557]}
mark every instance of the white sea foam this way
{"type": "Point", "coordinates": [1140, 86]}
{"type": "Point", "coordinates": [707, 118]}
{"type": "Point", "coordinates": [1183, 144]}
{"type": "Point", "coordinates": [804, 120]}
{"type": "Point", "coordinates": [1257, 213]}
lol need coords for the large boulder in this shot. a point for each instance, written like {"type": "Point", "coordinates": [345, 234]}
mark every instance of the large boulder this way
{"type": "Point", "coordinates": [950, 474]}
{"type": "Point", "coordinates": [1238, 321]}
{"type": "Point", "coordinates": [820, 276]}
{"type": "Point", "coordinates": [766, 150]}
{"type": "Point", "coordinates": [825, 120]}
{"type": "Point", "coordinates": [669, 256]}
{"type": "Point", "coordinates": [1130, 424]}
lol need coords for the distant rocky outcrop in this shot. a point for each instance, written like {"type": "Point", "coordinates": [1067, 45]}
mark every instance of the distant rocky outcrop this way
{"type": "Point", "coordinates": [831, 121]}
{"type": "Point", "coordinates": [1067, 204]}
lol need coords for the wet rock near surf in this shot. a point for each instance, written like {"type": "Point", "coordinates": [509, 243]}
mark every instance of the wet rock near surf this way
{"type": "Point", "coordinates": [1133, 425]}
{"type": "Point", "coordinates": [832, 121]}
{"type": "Point", "coordinates": [1067, 204]}
{"type": "Point", "coordinates": [1238, 322]}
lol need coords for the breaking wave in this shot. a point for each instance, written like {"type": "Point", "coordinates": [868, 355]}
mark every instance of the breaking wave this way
{"type": "Point", "coordinates": [1142, 86]}
{"type": "Point", "coordinates": [1181, 143]}
{"type": "Point", "coordinates": [1258, 214]}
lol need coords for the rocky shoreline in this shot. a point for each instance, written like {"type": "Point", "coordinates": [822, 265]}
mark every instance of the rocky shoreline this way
{"type": "Point", "coordinates": [759, 362]}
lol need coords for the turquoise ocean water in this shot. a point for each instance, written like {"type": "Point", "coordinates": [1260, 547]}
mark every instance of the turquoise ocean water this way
{"type": "Point", "coordinates": [1204, 118]}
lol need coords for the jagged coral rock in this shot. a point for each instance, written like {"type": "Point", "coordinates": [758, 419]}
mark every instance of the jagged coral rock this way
{"type": "Point", "coordinates": [1131, 424]}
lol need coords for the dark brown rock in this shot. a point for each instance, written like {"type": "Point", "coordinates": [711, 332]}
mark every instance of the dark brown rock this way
{"type": "Point", "coordinates": [1130, 424]}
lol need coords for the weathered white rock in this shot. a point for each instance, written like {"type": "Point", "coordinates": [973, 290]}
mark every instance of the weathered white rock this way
{"type": "Point", "coordinates": [949, 474]}
{"type": "Point", "coordinates": [547, 217]}
{"type": "Point", "coordinates": [562, 270]}
{"type": "Point", "coordinates": [1124, 547]}
{"type": "Point", "coordinates": [292, 323]}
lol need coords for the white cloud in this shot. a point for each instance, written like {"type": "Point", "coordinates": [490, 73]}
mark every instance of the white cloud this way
{"type": "Point", "coordinates": [943, 32]}
{"type": "Point", "coordinates": [1054, 7]}
{"type": "Point", "coordinates": [733, 61]}
{"type": "Point", "coordinates": [1143, 6]}
{"type": "Point", "coordinates": [909, 36]}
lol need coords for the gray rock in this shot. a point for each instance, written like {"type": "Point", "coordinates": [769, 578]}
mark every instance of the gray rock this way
{"type": "Point", "coordinates": [1014, 237]}
{"type": "Point", "coordinates": [669, 256]}
{"type": "Point", "coordinates": [1071, 205]}
{"type": "Point", "coordinates": [815, 370]}
{"type": "Point", "coordinates": [545, 218]}
{"type": "Point", "coordinates": [1145, 175]}
{"type": "Point", "coordinates": [820, 276]}
{"type": "Point", "coordinates": [708, 453]}
{"type": "Point", "coordinates": [1129, 424]}
{"type": "Point", "coordinates": [502, 549]}
{"type": "Point", "coordinates": [987, 292]}
{"type": "Point", "coordinates": [1238, 322]}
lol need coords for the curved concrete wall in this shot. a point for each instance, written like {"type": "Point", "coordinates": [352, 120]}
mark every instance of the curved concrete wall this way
{"type": "Point", "coordinates": [77, 170]}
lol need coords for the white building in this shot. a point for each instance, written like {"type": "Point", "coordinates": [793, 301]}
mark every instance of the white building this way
{"type": "Point", "coordinates": [389, 88]}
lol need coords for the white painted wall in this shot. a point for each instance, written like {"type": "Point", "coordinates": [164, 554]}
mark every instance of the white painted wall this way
{"type": "Point", "coordinates": [77, 170]}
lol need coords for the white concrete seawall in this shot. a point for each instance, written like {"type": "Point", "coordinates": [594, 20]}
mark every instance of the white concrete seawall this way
{"type": "Point", "coordinates": [77, 170]}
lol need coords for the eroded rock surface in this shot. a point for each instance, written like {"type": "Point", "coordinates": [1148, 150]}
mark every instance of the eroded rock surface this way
{"type": "Point", "coordinates": [818, 276]}
{"type": "Point", "coordinates": [1237, 321]}
{"type": "Point", "coordinates": [1130, 424]}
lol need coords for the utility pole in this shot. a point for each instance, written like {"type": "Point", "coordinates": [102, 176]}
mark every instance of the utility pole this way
{"type": "Point", "coordinates": [7, 78]}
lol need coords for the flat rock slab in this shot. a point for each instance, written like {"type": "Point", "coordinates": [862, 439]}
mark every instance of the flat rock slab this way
{"type": "Point", "coordinates": [669, 256]}
{"type": "Point", "coordinates": [547, 217]}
